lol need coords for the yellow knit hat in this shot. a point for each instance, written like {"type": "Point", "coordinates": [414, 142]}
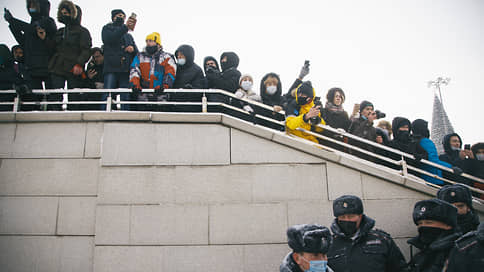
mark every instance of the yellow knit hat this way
{"type": "Point", "coordinates": [155, 36]}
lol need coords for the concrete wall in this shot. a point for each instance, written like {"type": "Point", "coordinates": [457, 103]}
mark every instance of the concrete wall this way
{"type": "Point", "coordinates": [88, 195]}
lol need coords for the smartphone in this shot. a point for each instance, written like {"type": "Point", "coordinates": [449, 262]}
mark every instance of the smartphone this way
{"type": "Point", "coordinates": [467, 147]}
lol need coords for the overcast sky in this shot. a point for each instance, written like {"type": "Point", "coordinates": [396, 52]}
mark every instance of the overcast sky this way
{"type": "Point", "coordinates": [383, 51]}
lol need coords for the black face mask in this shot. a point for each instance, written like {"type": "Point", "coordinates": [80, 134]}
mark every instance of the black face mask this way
{"type": "Point", "coordinates": [118, 21]}
{"type": "Point", "coordinates": [467, 222]}
{"type": "Point", "coordinates": [20, 60]}
{"type": "Point", "coordinates": [403, 136]}
{"type": "Point", "coordinates": [427, 235]}
{"type": "Point", "coordinates": [151, 49]}
{"type": "Point", "coordinates": [348, 227]}
{"type": "Point", "coordinates": [303, 100]}
{"type": "Point", "coordinates": [65, 19]}
{"type": "Point", "coordinates": [225, 65]}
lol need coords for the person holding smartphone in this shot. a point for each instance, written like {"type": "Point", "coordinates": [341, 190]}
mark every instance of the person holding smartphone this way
{"type": "Point", "coordinates": [455, 155]}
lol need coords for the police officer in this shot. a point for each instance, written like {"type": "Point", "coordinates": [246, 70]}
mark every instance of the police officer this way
{"type": "Point", "coordinates": [460, 196]}
{"type": "Point", "coordinates": [356, 245]}
{"type": "Point", "coordinates": [436, 221]}
{"type": "Point", "coordinates": [309, 244]}
{"type": "Point", "coordinates": [468, 253]}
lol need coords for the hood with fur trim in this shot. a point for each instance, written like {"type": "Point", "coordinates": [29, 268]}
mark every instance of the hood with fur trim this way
{"type": "Point", "coordinates": [73, 9]}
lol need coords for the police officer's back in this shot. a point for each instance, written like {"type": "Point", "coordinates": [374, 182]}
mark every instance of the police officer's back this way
{"type": "Point", "coordinates": [468, 253]}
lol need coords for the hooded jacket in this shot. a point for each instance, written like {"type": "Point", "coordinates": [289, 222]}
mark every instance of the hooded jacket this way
{"type": "Point", "coordinates": [228, 79]}
{"type": "Point", "coordinates": [401, 139]}
{"type": "Point", "coordinates": [295, 119]}
{"type": "Point", "coordinates": [189, 75]}
{"type": "Point", "coordinates": [8, 75]}
{"type": "Point", "coordinates": [116, 38]}
{"type": "Point", "coordinates": [421, 133]}
{"type": "Point", "coordinates": [268, 99]}
{"type": "Point", "coordinates": [209, 85]}
{"type": "Point", "coordinates": [72, 43]}
{"type": "Point", "coordinates": [452, 156]}
{"type": "Point", "coordinates": [369, 250]}
{"type": "Point", "coordinates": [36, 51]}
{"type": "Point", "coordinates": [289, 265]}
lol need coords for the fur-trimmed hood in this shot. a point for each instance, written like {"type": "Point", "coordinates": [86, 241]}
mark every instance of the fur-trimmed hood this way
{"type": "Point", "coordinates": [73, 9]}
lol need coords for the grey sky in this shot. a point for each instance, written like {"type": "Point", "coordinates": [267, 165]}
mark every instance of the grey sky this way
{"type": "Point", "coordinates": [382, 51]}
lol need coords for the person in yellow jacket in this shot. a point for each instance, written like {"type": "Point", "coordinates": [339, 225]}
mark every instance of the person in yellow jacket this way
{"type": "Point", "coordinates": [302, 113]}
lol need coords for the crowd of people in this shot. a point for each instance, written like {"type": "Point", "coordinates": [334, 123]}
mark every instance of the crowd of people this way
{"type": "Point", "coordinates": [450, 238]}
{"type": "Point", "coordinates": [48, 57]}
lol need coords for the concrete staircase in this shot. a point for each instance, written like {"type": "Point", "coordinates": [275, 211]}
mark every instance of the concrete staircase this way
{"type": "Point", "coordinates": [136, 191]}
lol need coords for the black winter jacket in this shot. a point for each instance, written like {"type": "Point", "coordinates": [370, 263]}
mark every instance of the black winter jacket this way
{"type": "Point", "coordinates": [431, 258]}
{"type": "Point", "coordinates": [72, 43]}
{"type": "Point", "coordinates": [228, 79]}
{"type": "Point", "coordinates": [189, 75]}
{"type": "Point", "coordinates": [372, 250]}
{"type": "Point", "coordinates": [336, 119]}
{"type": "Point", "coordinates": [468, 253]}
{"type": "Point", "coordinates": [36, 51]}
{"type": "Point", "coordinates": [116, 38]}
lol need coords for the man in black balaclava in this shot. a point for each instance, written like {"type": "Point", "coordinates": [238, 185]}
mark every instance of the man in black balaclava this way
{"type": "Point", "coordinates": [460, 196]}
{"type": "Point", "coordinates": [357, 246]}
{"type": "Point", "coordinates": [436, 221]}
{"type": "Point", "coordinates": [401, 128]}
{"type": "Point", "coordinates": [228, 79]}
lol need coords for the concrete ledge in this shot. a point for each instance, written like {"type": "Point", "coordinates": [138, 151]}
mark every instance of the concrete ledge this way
{"type": "Point", "coordinates": [46, 253]}
{"type": "Point", "coordinates": [7, 135]}
{"type": "Point", "coordinates": [28, 215]}
{"type": "Point", "coordinates": [49, 177]}
{"type": "Point", "coordinates": [94, 136]}
{"type": "Point", "coordinates": [246, 224]}
{"type": "Point", "coordinates": [247, 127]}
{"type": "Point", "coordinates": [183, 117]}
{"type": "Point", "coordinates": [112, 225]}
{"type": "Point", "coordinates": [376, 188]}
{"type": "Point", "coordinates": [7, 117]}
{"type": "Point", "coordinates": [48, 116]}
{"type": "Point", "coordinates": [116, 116]}
{"type": "Point", "coordinates": [304, 146]}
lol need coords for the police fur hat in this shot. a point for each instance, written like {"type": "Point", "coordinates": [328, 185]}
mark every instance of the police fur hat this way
{"type": "Point", "coordinates": [435, 209]}
{"type": "Point", "coordinates": [115, 12]}
{"type": "Point", "coordinates": [365, 104]}
{"type": "Point", "coordinates": [455, 193]}
{"type": "Point", "coordinates": [347, 204]}
{"type": "Point", "coordinates": [309, 238]}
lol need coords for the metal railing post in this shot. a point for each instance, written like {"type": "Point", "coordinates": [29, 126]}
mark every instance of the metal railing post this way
{"type": "Point", "coordinates": [65, 100]}
{"type": "Point", "coordinates": [16, 104]}
{"type": "Point", "coordinates": [109, 100]}
{"type": "Point", "coordinates": [118, 101]}
{"type": "Point", "coordinates": [404, 167]}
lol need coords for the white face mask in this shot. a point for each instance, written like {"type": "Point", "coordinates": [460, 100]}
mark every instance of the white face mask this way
{"type": "Point", "coordinates": [480, 157]}
{"type": "Point", "coordinates": [246, 85]}
{"type": "Point", "coordinates": [271, 89]}
{"type": "Point", "coordinates": [454, 148]}
{"type": "Point", "coordinates": [182, 62]}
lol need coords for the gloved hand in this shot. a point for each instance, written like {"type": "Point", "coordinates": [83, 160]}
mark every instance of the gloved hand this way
{"type": "Point", "coordinates": [457, 170]}
{"type": "Point", "coordinates": [419, 157]}
{"type": "Point", "coordinates": [136, 90]}
{"type": "Point", "coordinates": [7, 15]}
{"type": "Point", "coordinates": [22, 89]}
{"type": "Point", "coordinates": [159, 90]}
{"type": "Point", "coordinates": [304, 71]}
{"type": "Point", "coordinates": [248, 108]}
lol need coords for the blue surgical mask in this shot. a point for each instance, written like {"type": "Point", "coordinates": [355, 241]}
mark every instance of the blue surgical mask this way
{"type": "Point", "coordinates": [317, 266]}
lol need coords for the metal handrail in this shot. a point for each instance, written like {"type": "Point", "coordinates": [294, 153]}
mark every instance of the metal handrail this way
{"type": "Point", "coordinates": [65, 101]}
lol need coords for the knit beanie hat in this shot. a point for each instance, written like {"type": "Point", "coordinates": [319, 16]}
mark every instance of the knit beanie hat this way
{"type": "Point", "coordinates": [435, 209]}
{"type": "Point", "coordinates": [115, 12]}
{"type": "Point", "coordinates": [347, 204]}
{"type": "Point", "coordinates": [309, 238]}
{"type": "Point", "coordinates": [155, 36]}
{"type": "Point", "coordinates": [365, 104]}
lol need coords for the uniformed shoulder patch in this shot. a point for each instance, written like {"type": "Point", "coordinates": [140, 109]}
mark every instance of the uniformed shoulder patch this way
{"type": "Point", "coordinates": [382, 233]}
{"type": "Point", "coordinates": [373, 242]}
{"type": "Point", "coordinates": [466, 241]}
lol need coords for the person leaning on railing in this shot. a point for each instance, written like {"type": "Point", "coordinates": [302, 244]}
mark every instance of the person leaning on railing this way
{"type": "Point", "coordinates": [302, 113]}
